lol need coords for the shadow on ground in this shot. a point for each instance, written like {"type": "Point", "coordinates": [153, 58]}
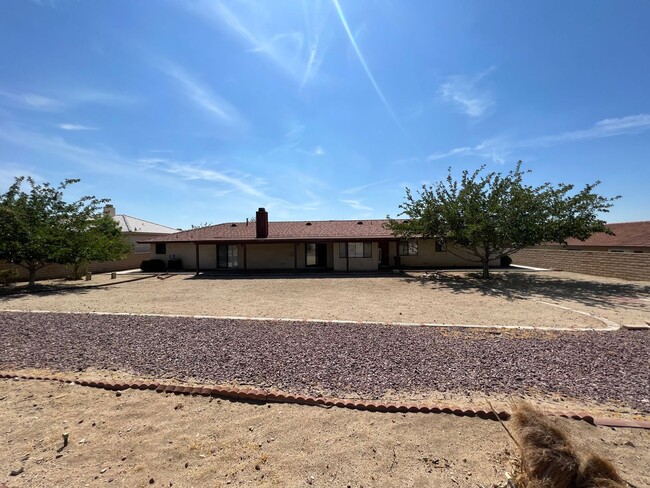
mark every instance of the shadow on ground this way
{"type": "Point", "coordinates": [288, 275]}
{"type": "Point", "coordinates": [515, 285]}
{"type": "Point", "coordinates": [16, 292]}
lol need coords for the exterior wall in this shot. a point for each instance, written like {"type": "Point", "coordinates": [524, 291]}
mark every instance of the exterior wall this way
{"type": "Point", "coordinates": [356, 264]}
{"type": "Point", "coordinates": [185, 251]}
{"type": "Point", "coordinates": [624, 265]}
{"type": "Point", "coordinates": [428, 257]}
{"type": "Point", "coordinates": [271, 256]}
{"type": "Point", "coordinates": [134, 237]}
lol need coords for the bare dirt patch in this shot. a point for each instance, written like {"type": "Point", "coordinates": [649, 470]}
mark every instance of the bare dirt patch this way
{"type": "Point", "coordinates": [452, 298]}
{"type": "Point", "coordinates": [136, 437]}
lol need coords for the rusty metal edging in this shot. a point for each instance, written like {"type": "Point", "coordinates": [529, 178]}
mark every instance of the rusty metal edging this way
{"type": "Point", "coordinates": [260, 395]}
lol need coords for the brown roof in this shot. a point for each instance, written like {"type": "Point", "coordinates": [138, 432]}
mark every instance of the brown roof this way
{"type": "Point", "coordinates": [284, 231]}
{"type": "Point", "coordinates": [628, 234]}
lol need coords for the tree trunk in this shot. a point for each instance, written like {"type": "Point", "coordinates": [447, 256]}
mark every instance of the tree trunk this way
{"type": "Point", "coordinates": [486, 269]}
{"type": "Point", "coordinates": [32, 276]}
{"type": "Point", "coordinates": [486, 263]}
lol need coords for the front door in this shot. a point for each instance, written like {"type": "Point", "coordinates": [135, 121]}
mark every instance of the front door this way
{"type": "Point", "coordinates": [383, 253]}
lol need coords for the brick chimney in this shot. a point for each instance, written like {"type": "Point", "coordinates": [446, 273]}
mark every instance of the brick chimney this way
{"type": "Point", "coordinates": [262, 223]}
{"type": "Point", "coordinates": [109, 210]}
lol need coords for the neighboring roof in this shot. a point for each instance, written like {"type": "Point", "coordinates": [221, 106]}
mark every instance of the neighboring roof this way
{"type": "Point", "coordinates": [627, 234]}
{"type": "Point", "coordinates": [133, 224]}
{"type": "Point", "coordinates": [284, 231]}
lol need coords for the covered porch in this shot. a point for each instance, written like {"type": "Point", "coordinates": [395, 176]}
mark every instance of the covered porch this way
{"type": "Point", "coordinates": [313, 255]}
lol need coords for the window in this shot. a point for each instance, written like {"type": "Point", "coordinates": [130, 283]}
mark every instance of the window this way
{"type": "Point", "coordinates": [227, 256]}
{"type": "Point", "coordinates": [161, 248]}
{"type": "Point", "coordinates": [408, 248]}
{"type": "Point", "coordinates": [142, 248]}
{"type": "Point", "coordinates": [356, 250]}
{"type": "Point", "coordinates": [441, 246]}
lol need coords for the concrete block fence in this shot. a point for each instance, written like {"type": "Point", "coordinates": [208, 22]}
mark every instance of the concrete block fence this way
{"type": "Point", "coordinates": [54, 271]}
{"type": "Point", "coordinates": [624, 265]}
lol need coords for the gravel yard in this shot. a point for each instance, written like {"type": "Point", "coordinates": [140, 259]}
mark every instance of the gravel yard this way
{"type": "Point", "coordinates": [453, 298]}
{"type": "Point", "coordinates": [338, 360]}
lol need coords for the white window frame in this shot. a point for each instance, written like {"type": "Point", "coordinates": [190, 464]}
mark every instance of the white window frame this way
{"type": "Point", "coordinates": [355, 249]}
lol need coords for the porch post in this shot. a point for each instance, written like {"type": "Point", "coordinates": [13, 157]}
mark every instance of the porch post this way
{"type": "Point", "coordinates": [397, 258]}
{"type": "Point", "coordinates": [347, 257]}
{"type": "Point", "coordinates": [295, 256]}
{"type": "Point", "coordinates": [245, 264]}
{"type": "Point", "coordinates": [196, 244]}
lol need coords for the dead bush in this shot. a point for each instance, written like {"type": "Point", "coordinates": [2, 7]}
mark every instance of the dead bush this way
{"type": "Point", "coordinates": [549, 460]}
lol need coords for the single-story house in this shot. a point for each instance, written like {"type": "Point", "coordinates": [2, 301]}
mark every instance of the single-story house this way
{"type": "Point", "coordinates": [628, 237]}
{"type": "Point", "coordinates": [339, 245]}
{"type": "Point", "coordinates": [135, 229]}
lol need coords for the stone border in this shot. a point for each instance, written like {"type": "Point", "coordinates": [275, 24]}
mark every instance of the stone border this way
{"type": "Point", "coordinates": [611, 326]}
{"type": "Point", "coordinates": [265, 396]}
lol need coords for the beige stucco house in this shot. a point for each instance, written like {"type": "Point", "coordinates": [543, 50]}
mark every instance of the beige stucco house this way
{"type": "Point", "coordinates": [339, 245]}
{"type": "Point", "coordinates": [136, 230]}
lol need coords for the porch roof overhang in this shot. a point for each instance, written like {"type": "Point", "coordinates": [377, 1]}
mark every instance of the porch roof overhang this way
{"type": "Point", "coordinates": [270, 240]}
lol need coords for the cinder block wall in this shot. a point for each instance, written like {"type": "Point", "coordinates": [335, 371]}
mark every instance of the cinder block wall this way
{"type": "Point", "coordinates": [625, 265]}
{"type": "Point", "coordinates": [59, 271]}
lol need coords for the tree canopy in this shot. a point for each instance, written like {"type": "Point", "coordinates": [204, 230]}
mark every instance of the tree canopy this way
{"type": "Point", "coordinates": [493, 215]}
{"type": "Point", "coordinates": [37, 228]}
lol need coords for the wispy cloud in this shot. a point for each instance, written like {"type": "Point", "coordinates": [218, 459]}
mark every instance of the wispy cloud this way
{"type": "Point", "coordinates": [197, 171]}
{"type": "Point", "coordinates": [295, 132]}
{"type": "Point", "coordinates": [102, 160]}
{"type": "Point", "coordinates": [152, 161]}
{"type": "Point", "coordinates": [414, 159]}
{"type": "Point", "coordinates": [295, 52]}
{"type": "Point", "coordinates": [74, 127]}
{"type": "Point", "coordinates": [357, 205]}
{"type": "Point", "coordinates": [201, 95]}
{"type": "Point", "coordinates": [357, 189]}
{"type": "Point", "coordinates": [32, 101]}
{"type": "Point", "coordinates": [631, 124]}
{"type": "Point", "coordinates": [80, 96]}
{"type": "Point", "coordinates": [362, 60]}
{"type": "Point", "coordinates": [464, 93]}
{"type": "Point", "coordinates": [64, 99]}
{"type": "Point", "coordinates": [315, 151]}
{"type": "Point", "coordinates": [498, 149]}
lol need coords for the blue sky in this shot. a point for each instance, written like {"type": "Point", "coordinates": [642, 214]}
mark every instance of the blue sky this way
{"type": "Point", "coordinates": [200, 112]}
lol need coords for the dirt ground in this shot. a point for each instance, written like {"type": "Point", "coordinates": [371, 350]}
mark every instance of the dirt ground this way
{"type": "Point", "coordinates": [147, 439]}
{"type": "Point", "coordinates": [142, 438]}
{"type": "Point", "coordinates": [512, 298]}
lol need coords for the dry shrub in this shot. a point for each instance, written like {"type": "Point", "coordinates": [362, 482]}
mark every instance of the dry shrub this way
{"type": "Point", "coordinates": [549, 460]}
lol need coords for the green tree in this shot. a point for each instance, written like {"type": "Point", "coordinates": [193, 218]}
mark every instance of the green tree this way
{"type": "Point", "coordinates": [493, 215]}
{"type": "Point", "coordinates": [38, 228]}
